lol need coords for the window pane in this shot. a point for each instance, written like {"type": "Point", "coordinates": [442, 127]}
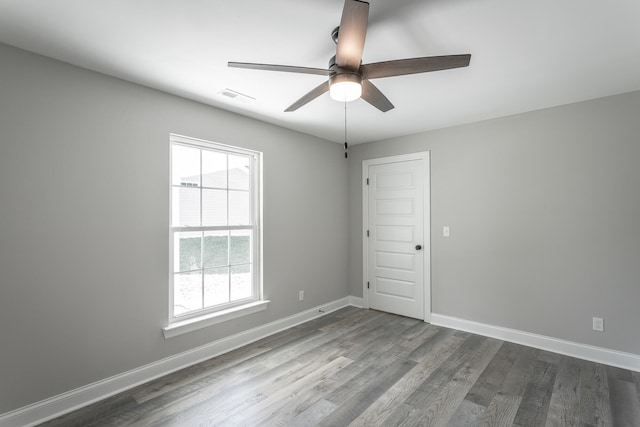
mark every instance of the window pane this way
{"type": "Point", "coordinates": [185, 209]}
{"type": "Point", "coordinates": [240, 252]}
{"type": "Point", "coordinates": [239, 172]}
{"type": "Point", "coordinates": [185, 166]}
{"type": "Point", "coordinates": [214, 169]}
{"type": "Point", "coordinates": [187, 251]}
{"type": "Point", "coordinates": [214, 207]}
{"type": "Point", "coordinates": [216, 286]}
{"type": "Point", "coordinates": [239, 208]}
{"type": "Point", "coordinates": [187, 292]}
{"type": "Point", "coordinates": [216, 249]}
{"type": "Point", "coordinates": [241, 282]}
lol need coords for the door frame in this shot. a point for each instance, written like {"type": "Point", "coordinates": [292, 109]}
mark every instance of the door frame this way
{"type": "Point", "coordinates": [426, 253]}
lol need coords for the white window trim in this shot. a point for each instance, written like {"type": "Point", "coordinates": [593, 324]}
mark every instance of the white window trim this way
{"type": "Point", "coordinates": [210, 319]}
{"type": "Point", "coordinates": [187, 323]}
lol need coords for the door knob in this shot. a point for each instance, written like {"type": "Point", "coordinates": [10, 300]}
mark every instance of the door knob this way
{"type": "Point", "coordinates": [418, 247]}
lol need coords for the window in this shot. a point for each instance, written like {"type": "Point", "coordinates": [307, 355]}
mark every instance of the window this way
{"type": "Point", "coordinates": [215, 228]}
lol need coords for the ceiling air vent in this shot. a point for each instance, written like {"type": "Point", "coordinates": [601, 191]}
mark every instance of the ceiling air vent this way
{"type": "Point", "coordinates": [232, 94]}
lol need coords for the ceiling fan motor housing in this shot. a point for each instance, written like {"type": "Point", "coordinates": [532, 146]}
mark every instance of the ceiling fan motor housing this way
{"type": "Point", "coordinates": [345, 76]}
{"type": "Point", "coordinates": [337, 70]}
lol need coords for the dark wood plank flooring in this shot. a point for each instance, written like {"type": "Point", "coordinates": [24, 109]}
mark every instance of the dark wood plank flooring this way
{"type": "Point", "coordinates": [359, 367]}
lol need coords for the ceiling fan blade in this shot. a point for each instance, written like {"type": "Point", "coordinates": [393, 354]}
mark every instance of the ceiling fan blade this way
{"type": "Point", "coordinates": [402, 67]}
{"type": "Point", "coordinates": [310, 96]}
{"type": "Point", "coordinates": [351, 35]}
{"type": "Point", "coordinates": [373, 96]}
{"type": "Point", "coordinates": [285, 68]}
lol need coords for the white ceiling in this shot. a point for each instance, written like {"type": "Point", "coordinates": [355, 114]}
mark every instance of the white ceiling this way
{"type": "Point", "coordinates": [525, 55]}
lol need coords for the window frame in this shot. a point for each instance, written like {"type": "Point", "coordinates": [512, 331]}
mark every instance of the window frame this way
{"type": "Point", "coordinates": [232, 309]}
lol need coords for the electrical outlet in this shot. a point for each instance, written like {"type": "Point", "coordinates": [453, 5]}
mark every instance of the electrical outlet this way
{"type": "Point", "coordinates": [301, 296]}
{"type": "Point", "coordinates": [598, 324]}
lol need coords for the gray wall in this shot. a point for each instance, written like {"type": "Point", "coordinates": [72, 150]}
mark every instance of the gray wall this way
{"type": "Point", "coordinates": [544, 210]}
{"type": "Point", "coordinates": [84, 211]}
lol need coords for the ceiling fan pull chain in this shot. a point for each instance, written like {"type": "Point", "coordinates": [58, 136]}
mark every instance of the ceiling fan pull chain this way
{"type": "Point", "coordinates": [346, 146]}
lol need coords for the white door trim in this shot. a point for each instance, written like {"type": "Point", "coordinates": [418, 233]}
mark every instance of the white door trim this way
{"type": "Point", "coordinates": [426, 253]}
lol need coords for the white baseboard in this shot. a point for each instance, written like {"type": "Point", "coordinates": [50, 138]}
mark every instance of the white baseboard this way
{"type": "Point", "coordinates": [66, 402]}
{"type": "Point", "coordinates": [356, 301]}
{"type": "Point", "coordinates": [581, 351]}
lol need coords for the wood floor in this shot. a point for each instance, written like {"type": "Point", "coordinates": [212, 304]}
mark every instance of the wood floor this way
{"type": "Point", "coordinates": [359, 367]}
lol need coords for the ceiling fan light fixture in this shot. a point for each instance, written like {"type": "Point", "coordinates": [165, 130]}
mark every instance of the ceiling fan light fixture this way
{"type": "Point", "coordinates": [345, 87]}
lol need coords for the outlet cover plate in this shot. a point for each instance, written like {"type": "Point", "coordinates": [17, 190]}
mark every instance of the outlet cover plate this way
{"type": "Point", "coordinates": [598, 324]}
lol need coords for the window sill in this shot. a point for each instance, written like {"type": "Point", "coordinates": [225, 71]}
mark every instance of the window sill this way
{"type": "Point", "coordinates": [189, 325]}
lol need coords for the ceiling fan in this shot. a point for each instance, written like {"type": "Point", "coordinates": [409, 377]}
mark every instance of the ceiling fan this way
{"type": "Point", "coordinates": [349, 79]}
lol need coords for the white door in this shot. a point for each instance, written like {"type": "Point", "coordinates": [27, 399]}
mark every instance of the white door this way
{"type": "Point", "coordinates": [397, 241]}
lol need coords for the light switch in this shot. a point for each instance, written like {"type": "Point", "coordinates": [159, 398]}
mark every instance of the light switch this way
{"type": "Point", "coordinates": [445, 231]}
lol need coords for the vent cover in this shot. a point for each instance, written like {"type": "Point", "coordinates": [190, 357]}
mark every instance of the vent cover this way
{"type": "Point", "coordinates": [237, 96]}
